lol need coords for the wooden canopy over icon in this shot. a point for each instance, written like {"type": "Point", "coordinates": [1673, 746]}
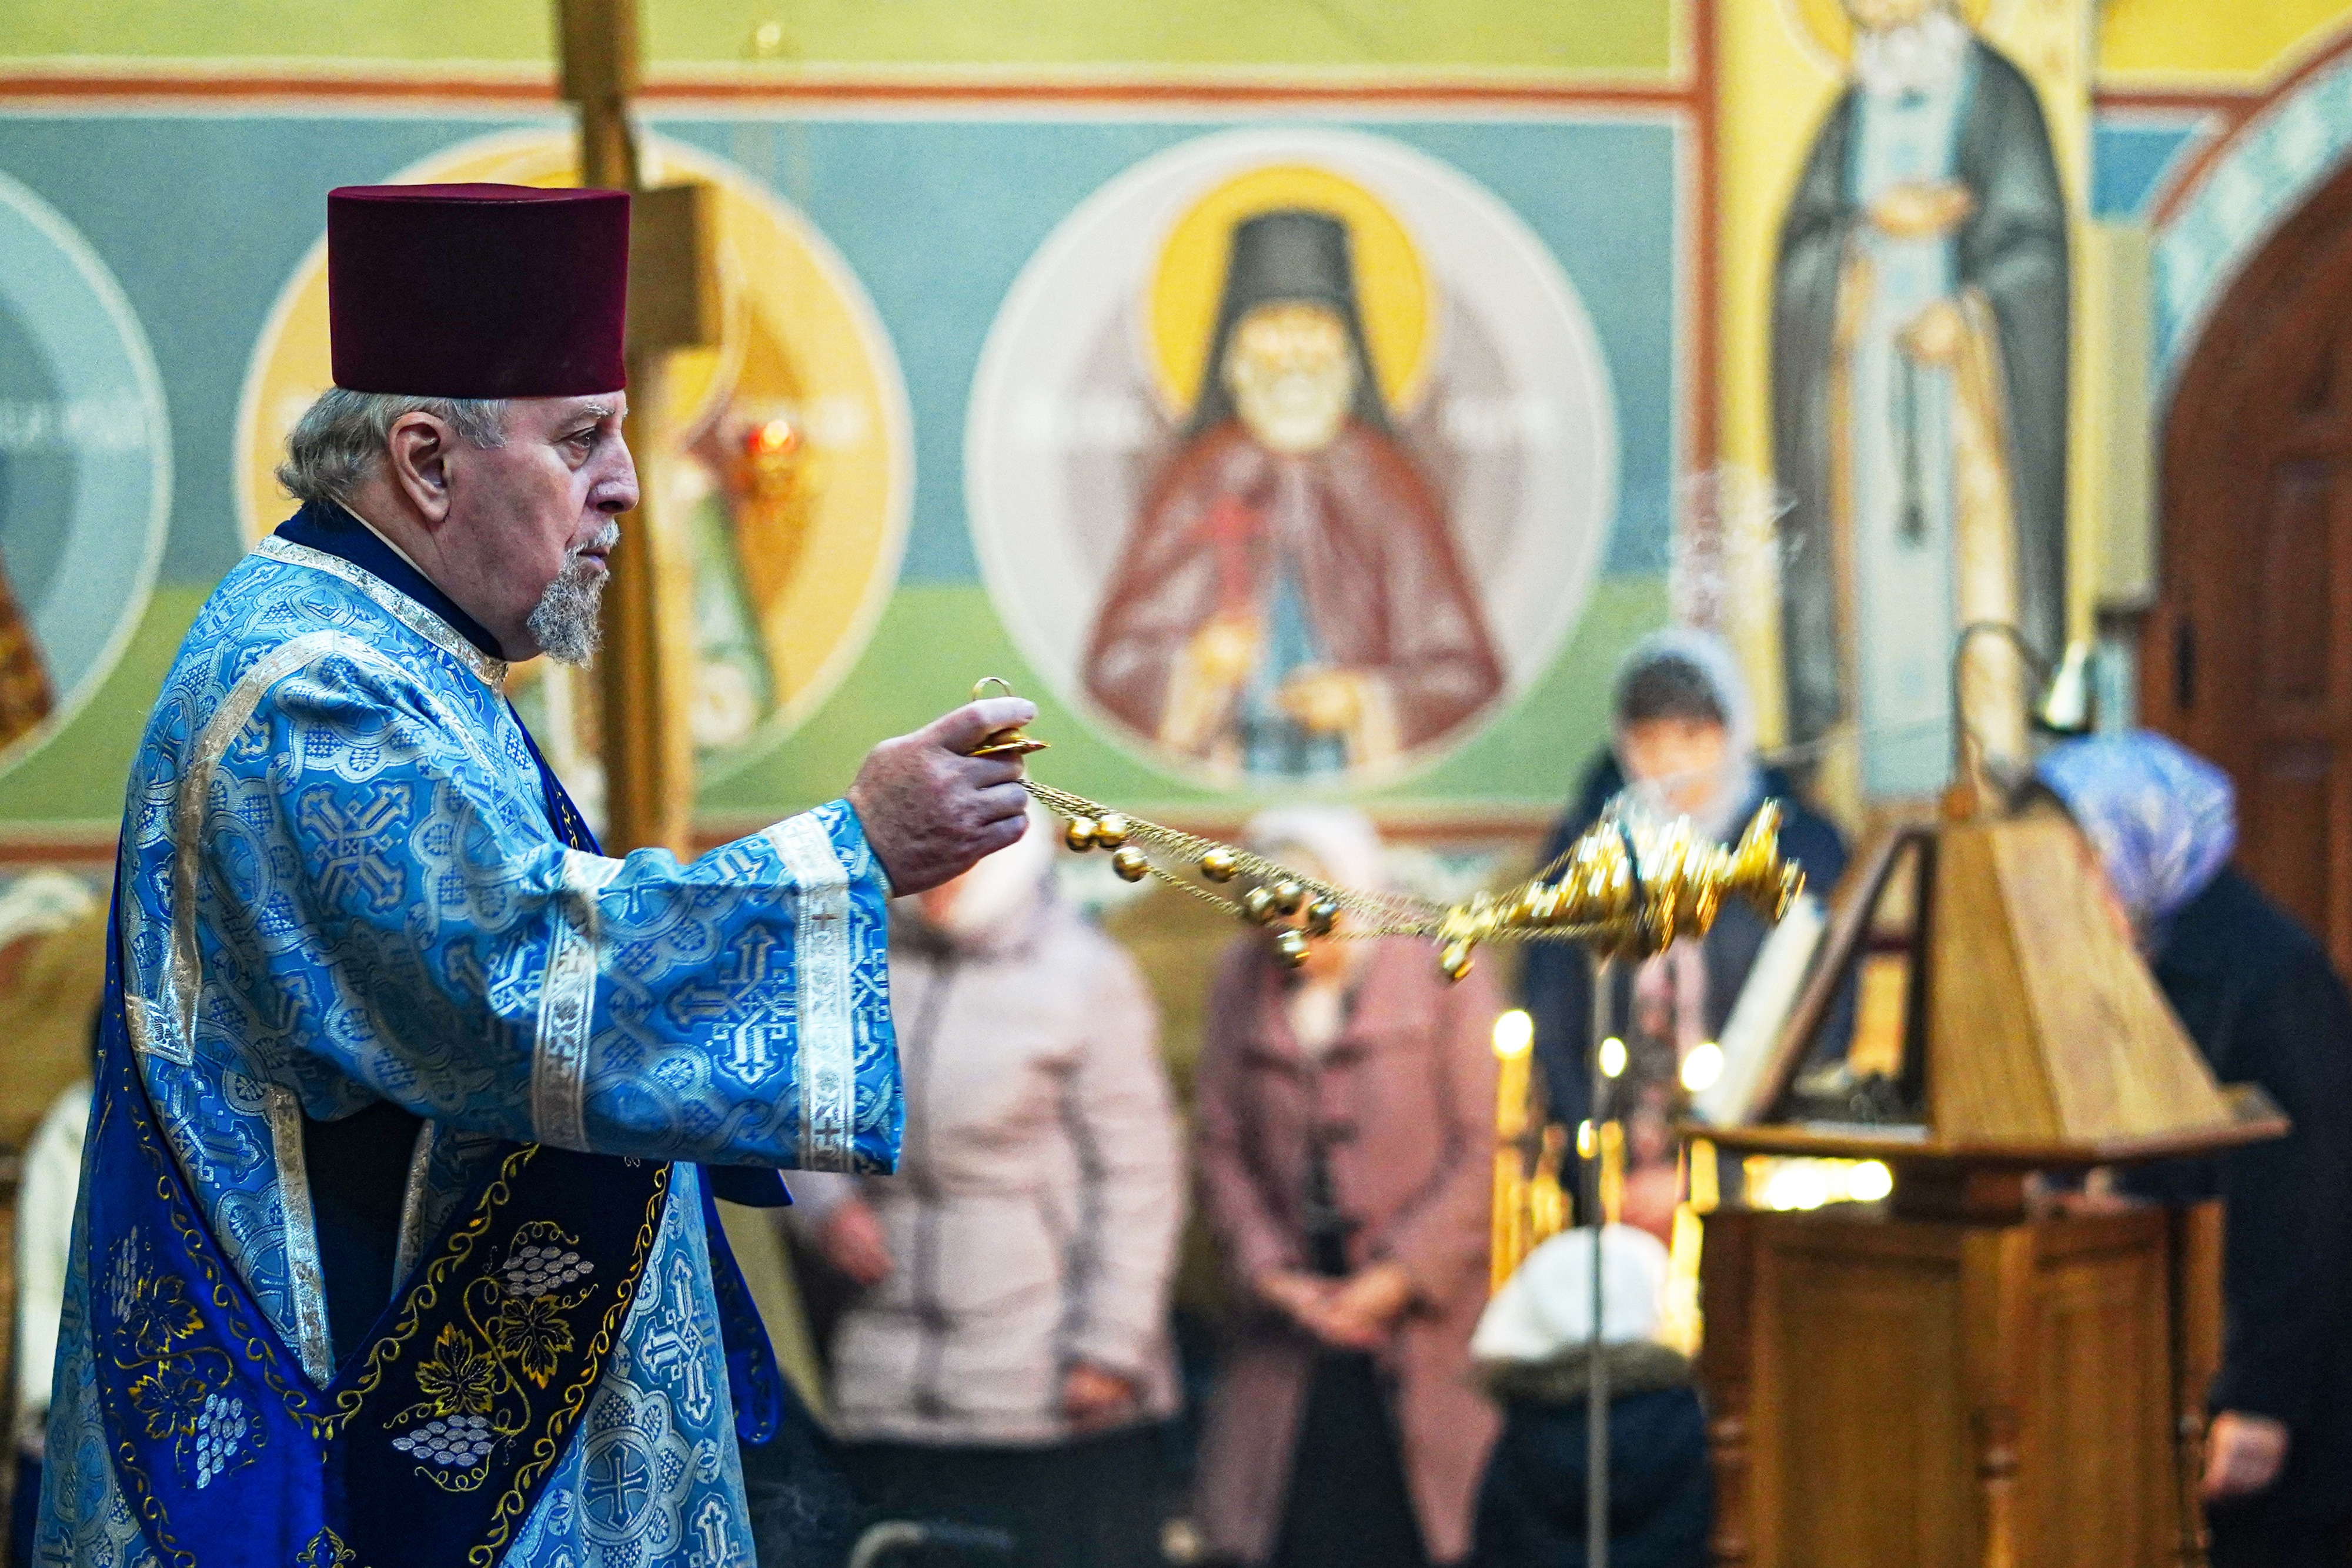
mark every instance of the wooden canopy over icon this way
{"type": "Point", "coordinates": [2032, 1034]}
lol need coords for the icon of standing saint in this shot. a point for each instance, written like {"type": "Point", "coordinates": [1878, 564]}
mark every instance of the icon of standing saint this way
{"type": "Point", "coordinates": [1919, 368]}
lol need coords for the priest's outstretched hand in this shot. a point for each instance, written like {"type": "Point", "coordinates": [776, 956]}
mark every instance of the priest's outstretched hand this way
{"type": "Point", "coordinates": [930, 808]}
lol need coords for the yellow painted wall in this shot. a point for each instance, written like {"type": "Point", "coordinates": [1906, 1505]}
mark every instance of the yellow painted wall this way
{"type": "Point", "coordinates": [1603, 38]}
{"type": "Point", "coordinates": [2222, 45]}
{"type": "Point", "coordinates": [1774, 91]}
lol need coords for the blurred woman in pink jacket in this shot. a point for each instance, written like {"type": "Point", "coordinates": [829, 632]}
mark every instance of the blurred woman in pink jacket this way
{"type": "Point", "coordinates": [1344, 1150]}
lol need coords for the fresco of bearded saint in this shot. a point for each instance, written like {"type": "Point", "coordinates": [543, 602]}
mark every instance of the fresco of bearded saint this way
{"type": "Point", "coordinates": [1289, 602]}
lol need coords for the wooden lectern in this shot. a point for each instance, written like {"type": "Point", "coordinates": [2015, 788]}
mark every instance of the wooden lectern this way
{"type": "Point", "coordinates": [1949, 1377]}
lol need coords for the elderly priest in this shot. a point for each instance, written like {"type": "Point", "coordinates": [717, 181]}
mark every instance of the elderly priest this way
{"type": "Point", "coordinates": [396, 1245]}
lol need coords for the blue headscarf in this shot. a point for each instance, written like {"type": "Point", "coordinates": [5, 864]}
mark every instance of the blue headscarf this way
{"type": "Point", "coordinates": [2163, 818]}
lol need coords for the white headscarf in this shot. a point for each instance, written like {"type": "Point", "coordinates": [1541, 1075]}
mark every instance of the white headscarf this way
{"type": "Point", "coordinates": [1342, 840]}
{"type": "Point", "coordinates": [1346, 849]}
{"type": "Point", "coordinates": [1547, 1307]}
{"type": "Point", "coordinates": [1000, 890]}
{"type": "Point", "coordinates": [1718, 666]}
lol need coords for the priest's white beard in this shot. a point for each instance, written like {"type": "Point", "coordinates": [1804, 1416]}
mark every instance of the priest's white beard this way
{"type": "Point", "coordinates": [565, 620]}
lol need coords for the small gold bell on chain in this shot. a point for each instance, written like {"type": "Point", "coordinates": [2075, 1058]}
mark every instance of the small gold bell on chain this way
{"type": "Point", "coordinates": [1456, 961]}
{"type": "Point", "coordinates": [1288, 896]}
{"type": "Point", "coordinates": [1130, 865]}
{"type": "Point", "coordinates": [1219, 864]}
{"type": "Point", "coordinates": [1112, 831]}
{"type": "Point", "coordinates": [1293, 948]}
{"type": "Point", "coordinates": [1258, 905]}
{"type": "Point", "coordinates": [1321, 915]}
{"type": "Point", "coordinates": [1080, 833]}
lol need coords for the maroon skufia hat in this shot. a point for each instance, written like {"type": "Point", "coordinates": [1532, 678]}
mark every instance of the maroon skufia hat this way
{"type": "Point", "coordinates": [478, 291]}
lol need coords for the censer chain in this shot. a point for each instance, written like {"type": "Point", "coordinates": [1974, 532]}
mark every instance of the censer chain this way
{"type": "Point", "coordinates": [1378, 914]}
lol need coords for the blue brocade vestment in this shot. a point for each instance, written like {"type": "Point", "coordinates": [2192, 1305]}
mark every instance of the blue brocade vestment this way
{"type": "Point", "coordinates": [341, 886]}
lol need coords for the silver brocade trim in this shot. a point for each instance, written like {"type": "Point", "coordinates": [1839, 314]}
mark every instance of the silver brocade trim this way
{"type": "Point", "coordinates": [558, 1051]}
{"type": "Point", "coordinates": [826, 1039]}
{"type": "Point", "coordinates": [182, 978]}
{"type": "Point", "coordinates": [567, 1004]}
{"type": "Point", "coordinates": [151, 1033]}
{"type": "Point", "coordinates": [148, 1022]}
{"type": "Point", "coordinates": [411, 1204]}
{"type": "Point", "coordinates": [302, 1265]}
{"type": "Point", "coordinates": [492, 673]}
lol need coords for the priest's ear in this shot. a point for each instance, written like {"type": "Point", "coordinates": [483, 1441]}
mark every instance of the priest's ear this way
{"type": "Point", "coordinates": [416, 457]}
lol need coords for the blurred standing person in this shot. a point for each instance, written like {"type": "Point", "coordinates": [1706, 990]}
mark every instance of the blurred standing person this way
{"type": "Point", "coordinates": [2256, 993]}
{"type": "Point", "coordinates": [1683, 745]}
{"type": "Point", "coordinates": [1534, 1349]}
{"type": "Point", "coordinates": [1345, 1128]}
{"type": "Point", "coordinates": [1007, 1359]}
{"type": "Point", "coordinates": [45, 1212]}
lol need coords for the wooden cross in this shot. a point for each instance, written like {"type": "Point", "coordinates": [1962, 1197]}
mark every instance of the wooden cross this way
{"type": "Point", "coordinates": [647, 670]}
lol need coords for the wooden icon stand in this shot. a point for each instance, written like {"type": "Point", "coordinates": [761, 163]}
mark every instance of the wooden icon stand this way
{"type": "Point", "coordinates": [1950, 1378]}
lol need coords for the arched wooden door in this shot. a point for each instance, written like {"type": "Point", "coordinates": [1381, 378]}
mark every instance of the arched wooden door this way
{"type": "Point", "coordinates": [2248, 655]}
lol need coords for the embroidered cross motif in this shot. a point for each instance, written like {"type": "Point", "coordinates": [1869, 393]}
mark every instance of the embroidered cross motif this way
{"type": "Point", "coordinates": [348, 839]}
{"type": "Point", "coordinates": [637, 905]}
{"type": "Point", "coordinates": [620, 1482]}
{"type": "Point", "coordinates": [155, 806]}
{"type": "Point", "coordinates": [293, 1000]}
{"type": "Point", "coordinates": [739, 1006]}
{"type": "Point", "coordinates": [716, 1548]}
{"type": "Point", "coordinates": [675, 1350]}
{"type": "Point", "coordinates": [633, 1476]}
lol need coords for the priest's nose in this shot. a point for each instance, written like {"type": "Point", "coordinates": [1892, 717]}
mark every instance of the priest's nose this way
{"type": "Point", "coordinates": [616, 489]}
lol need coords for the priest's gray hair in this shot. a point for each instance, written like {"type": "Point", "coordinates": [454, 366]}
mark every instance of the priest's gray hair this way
{"type": "Point", "coordinates": [340, 439]}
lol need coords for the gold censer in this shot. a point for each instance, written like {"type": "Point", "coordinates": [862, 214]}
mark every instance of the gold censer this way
{"type": "Point", "coordinates": [1629, 886]}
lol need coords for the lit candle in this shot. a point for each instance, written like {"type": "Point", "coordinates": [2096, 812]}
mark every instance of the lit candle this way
{"type": "Point", "coordinates": [1514, 1054]}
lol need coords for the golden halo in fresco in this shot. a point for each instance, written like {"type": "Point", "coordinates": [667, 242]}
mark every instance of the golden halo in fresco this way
{"type": "Point", "coordinates": [787, 448]}
{"type": "Point", "coordinates": [1832, 29]}
{"type": "Point", "coordinates": [1394, 290]}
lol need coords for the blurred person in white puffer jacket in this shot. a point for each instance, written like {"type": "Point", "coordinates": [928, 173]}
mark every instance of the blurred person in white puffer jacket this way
{"type": "Point", "coordinates": [1006, 1361]}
